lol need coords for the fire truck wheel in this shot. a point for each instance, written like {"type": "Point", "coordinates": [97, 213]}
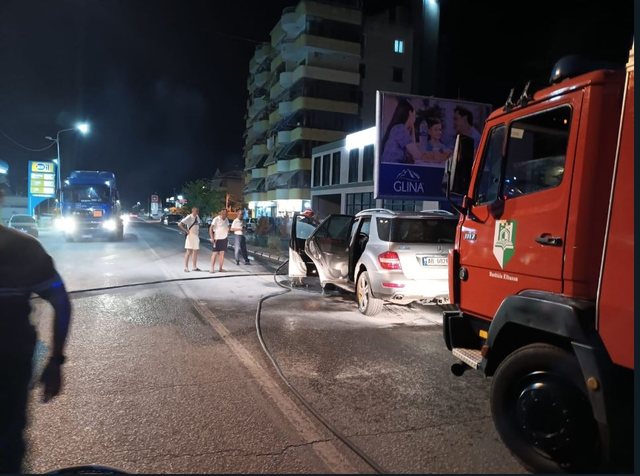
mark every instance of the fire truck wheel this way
{"type": "Point", "coordinates": [541, 410]}
{"type": "Point", "coordinates": [367, 304]}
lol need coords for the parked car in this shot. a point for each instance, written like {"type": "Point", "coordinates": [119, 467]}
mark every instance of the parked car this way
{"type": "Point", "coordinates": [251, 224]}
{"type": "Point", "coordinates": [171, 219]}
{"type": "Point", "coordinates": [383, 256]}
{"type": "Point", "coordinates": [25, 223]}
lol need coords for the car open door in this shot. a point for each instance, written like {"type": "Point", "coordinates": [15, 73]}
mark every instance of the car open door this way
{"type": "Point", "coordinates": [300, 265]}
{"type": "Point", "coordinates": [328, 247]}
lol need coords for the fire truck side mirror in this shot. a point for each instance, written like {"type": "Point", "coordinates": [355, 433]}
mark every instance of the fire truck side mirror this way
{"type": "Point", "coordinates": [459, 168]}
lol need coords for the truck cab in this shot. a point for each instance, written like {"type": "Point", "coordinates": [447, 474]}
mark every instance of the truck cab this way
{"type": "Point", "coordinates": [546, 208]}
{"type": "Point", "coordinates": [91, 206]}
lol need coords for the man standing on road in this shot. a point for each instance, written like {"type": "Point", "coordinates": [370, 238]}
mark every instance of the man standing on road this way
{"type": "Point", "coordinates": [219, 232]}
{"type": "Point", "coordinates": [240, 245]}
{"type": "Point", "coordinates": [25, 268]}
{"type": "Point", "coordinates": [190, 226]}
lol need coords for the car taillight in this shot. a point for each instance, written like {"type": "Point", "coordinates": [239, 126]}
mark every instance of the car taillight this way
{"type": "Point", "coordinates": [389, 260]}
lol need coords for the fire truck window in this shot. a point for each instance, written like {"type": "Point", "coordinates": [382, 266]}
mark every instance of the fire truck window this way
{"type": "Point", "coordinates": [489, 177]}
{"type": "Point", "coordinates": [536, 152]}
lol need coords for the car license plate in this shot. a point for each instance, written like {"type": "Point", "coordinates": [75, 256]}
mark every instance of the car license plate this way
{"type": "Point", "coordinates": [97, 213]}
{"type": "Point", "coordinates": [435, 261]}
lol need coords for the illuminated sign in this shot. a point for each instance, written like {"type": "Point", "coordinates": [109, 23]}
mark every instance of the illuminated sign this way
{"type": "Point", "coordinates": [42, 179]}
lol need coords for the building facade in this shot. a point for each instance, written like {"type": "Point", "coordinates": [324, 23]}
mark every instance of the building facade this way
{"type": "Point", "coordinates": [304, 90]}
{"type": "Point", "coordinates": [342, 178]}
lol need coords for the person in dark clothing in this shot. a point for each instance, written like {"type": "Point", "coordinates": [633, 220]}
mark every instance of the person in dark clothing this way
{"type": "Point", "coordinates": [25, 268]}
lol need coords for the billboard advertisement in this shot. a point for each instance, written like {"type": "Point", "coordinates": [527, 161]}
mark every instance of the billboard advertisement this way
{"type": "Point", "coordinates": [416, 135]}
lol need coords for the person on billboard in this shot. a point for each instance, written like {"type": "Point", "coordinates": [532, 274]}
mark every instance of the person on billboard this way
{"type": "Point", "coordinates": [463, 124]}
{"type": "Point", "coordinates": [431, 140]}
{"type": "Point", "coordinates": [399, 144]}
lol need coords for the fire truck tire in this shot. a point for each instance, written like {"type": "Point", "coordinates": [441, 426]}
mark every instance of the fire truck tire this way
{"type": "Point", "coordinates": [541, 410]}
{"type": "Point", "coordinates": [367, 304]}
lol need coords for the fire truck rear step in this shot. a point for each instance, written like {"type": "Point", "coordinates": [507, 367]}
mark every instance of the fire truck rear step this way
{"type": "Point", "coordinates": [471, 357]}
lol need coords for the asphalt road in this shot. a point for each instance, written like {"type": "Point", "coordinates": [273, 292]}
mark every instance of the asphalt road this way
{"type": "Point", "coordinates": [171, 377]}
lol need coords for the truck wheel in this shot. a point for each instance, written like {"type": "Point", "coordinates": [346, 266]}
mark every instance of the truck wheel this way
{"type": "Point", "coordinates": [542, 412]}
{"type": "Point", "coordinates": [367, 304]}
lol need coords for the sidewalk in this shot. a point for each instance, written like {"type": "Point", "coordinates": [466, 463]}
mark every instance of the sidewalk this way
{"type": "Point", "coordinates": [276, 257]}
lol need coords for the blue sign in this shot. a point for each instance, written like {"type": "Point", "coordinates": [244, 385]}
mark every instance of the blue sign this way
{"type": "Point", "coordinates": [41, 183]}
{"type": "Point", "coordinates": [410, 182]}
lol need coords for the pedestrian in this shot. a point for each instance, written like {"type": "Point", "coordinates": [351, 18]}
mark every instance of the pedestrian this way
{"type": "Point", "coordinates": [190, 226]}
{"type": "Point", "coordinates": [240, 245]}
{"type": "Point", "coordinates": [219, 232]}
{"type": "Point", "coordinates": [25, 267]}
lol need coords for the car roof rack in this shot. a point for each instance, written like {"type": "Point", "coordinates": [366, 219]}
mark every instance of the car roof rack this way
{"type": "Point", "coordinates": [438, 212]}
{"type": "Point", "coordinates": [379, 210]}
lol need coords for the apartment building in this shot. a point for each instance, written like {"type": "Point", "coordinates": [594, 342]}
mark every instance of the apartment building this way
{"type": "Point", "coordinates": [304, 90]}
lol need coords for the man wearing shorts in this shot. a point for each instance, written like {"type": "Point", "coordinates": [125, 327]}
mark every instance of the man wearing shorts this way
{"type": "Point", "coordinates": [190, 226]}
{"type": "Point", "coordinates": [219, 232]}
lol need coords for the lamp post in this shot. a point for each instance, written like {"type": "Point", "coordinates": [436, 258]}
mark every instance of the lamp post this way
{"type": "Point", "coordinates": [83, 128]}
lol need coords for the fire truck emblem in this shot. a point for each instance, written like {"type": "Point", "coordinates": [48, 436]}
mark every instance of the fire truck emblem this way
{"type": "Point", "coordinates": [504, 241]}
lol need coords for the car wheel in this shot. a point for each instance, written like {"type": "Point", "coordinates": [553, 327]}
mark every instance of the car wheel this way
{"type": "Point", "coordinates": [367, 304]}
{"type": "Point", "coordinates": [541, 410]}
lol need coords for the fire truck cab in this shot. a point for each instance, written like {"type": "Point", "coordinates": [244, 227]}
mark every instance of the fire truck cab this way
{"type": "Point", "coordinates": [541, 274]}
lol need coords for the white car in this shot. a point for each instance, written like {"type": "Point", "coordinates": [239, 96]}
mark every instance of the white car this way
{"type": "Point", "coordinates": [383, 256]}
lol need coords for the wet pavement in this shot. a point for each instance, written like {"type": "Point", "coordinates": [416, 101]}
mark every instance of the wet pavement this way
{"type": "Point", "coordinates": [171, 377]}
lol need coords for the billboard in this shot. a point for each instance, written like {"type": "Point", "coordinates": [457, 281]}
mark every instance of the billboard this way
{"type": "Point", "coordinates": [415, 137]}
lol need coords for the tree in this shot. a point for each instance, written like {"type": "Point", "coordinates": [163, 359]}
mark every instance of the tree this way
{"type": "Point", "coordinates": [199, 194]}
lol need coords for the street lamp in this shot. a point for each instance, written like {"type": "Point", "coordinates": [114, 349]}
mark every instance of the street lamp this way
{"type": "Point", "coordinates": [83, 128]}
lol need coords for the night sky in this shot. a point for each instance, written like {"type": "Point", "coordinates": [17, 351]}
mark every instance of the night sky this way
{"type": "Point", "coordinates": [163, 83]}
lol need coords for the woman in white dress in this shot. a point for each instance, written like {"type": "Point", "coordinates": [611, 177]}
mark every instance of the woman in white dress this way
{"type": "Point", "coordinates": [190, 225]}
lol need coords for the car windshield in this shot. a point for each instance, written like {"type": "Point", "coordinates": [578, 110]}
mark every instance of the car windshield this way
{"type": "Point", "coordinates": [416, 230]}
{"type": "Point", "coordinates": [86, 193]}
{"type": "Point", "coordinates": [22, 219]}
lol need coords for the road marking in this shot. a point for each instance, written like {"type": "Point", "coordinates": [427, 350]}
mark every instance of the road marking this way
{"type": "Point", "coordinates": [307, 428]}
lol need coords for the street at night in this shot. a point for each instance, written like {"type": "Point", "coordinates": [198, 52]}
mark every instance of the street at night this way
{"type": "Point", "coordinates": [317, 237]}
{"type": "Point", "coordinates": [172, 377]}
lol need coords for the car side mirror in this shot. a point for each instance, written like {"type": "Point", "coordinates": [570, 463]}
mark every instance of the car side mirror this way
{"type": "Point", "coordinates": [459, 170]}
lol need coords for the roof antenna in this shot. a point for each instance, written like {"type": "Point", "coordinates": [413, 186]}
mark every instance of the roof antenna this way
{"type": "Point", "coordinates": [508, 105]}
{"type": "Point", "coordinates": [524, 97]}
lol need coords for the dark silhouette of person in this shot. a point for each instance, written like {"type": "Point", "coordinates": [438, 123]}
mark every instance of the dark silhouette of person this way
{"type": "Point", "coordinates": [25, 268]}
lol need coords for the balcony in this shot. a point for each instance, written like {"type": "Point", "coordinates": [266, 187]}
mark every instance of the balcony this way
{"type": "Point", "coordinates": [260, 126]}
{"type": "Point", "coordinates": [276, 91]}
{"type": "Point", "coordinates": [285, 108]}
{"type": "Point", "coordinates": [258, 105]}
{"type": "Point", "coordinates": [262, 52]}
{"type": "Point", "coordinates": [292, 22]}
{"type": "Point", "coordinates": [258, 150]}
{"type": "Point", "coordinates": [284, 137]}
{"type": "Point", "coordinates": [260, 79]}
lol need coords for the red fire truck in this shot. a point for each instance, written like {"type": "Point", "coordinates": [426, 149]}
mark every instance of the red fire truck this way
{"type": "Point", "coordinates": [541, 275]}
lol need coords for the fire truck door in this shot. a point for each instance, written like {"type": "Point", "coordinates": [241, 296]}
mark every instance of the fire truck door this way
{"type": "Point", "coordinates": [514, 234]}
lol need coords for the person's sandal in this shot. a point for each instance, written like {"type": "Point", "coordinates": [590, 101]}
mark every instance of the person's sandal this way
{"type": "Point", "coordinates": [186, 270]}
{"type": "Point", "coordinates": [197, 269]}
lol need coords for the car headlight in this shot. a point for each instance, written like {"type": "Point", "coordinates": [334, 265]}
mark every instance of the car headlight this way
{"type": "Point", "coordinates": [109, 225]}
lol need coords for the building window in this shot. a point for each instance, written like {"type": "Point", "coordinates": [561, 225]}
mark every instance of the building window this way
{"type": "Point", "coordinates": [316, 170]}
{"type": "Point", "coordinates": [335, 168]}
{"type": "Point", "coordinates": [367, 163]}
{"type": "Point", "coordinates": [359, 201]}
{"type": "Point", "coordinates": [398, 46]}
{"type": "Point", "coordinates": [354, 158]}
{"type": "Point", "coordinates": [325, 169]}
{"type": "Point", "coordinates": [397, 75]}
